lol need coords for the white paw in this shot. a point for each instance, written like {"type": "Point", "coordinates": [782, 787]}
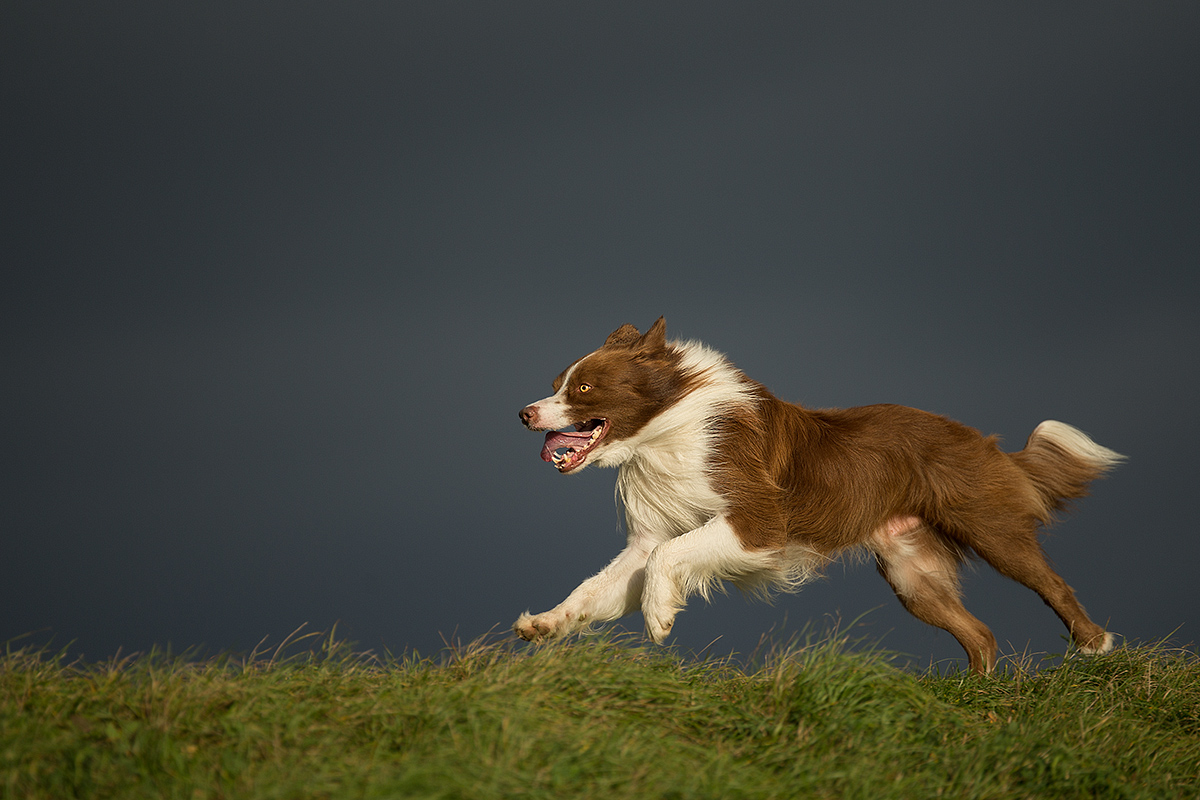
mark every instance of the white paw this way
{"type": "Point", "coordinates": [1103, 646]}
{"type": "Point", "coordinates": [661, 600]}
{"type": "Point", "coordinates": [547, 625]}
{"type": "Point", "coordinates": [658, 624]}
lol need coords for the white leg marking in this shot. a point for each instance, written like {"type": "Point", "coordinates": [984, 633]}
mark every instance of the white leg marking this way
{"type": "Point", "coordinates": [612, 593]}
{"type": "Point", "coordinates": [1104, 647]}
{"type": "Point", "coordinates": [911, 556]}
{"type": "Point", "coordinates": [695, 562]}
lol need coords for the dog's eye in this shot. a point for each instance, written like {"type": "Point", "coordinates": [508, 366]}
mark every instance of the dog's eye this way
{"type": "Point", "coordinates": [585, 387]}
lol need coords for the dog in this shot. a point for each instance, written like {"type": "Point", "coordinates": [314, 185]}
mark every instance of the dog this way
{"type": "Point", "coordinates": [722, 481]}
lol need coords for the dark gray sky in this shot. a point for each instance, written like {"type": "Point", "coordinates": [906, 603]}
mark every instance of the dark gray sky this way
{"type": "Point", "coordinates": [278, 277]}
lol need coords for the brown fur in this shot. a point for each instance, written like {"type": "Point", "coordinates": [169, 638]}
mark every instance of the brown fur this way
{"type": "Point", "coordinates": [833, 479]}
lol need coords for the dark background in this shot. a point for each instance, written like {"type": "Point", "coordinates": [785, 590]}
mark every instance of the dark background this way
{"type": "Point", "coordinates": [278, 277]}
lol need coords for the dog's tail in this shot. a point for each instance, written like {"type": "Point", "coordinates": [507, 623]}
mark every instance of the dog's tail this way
{"type": "Point", "coordinates": [1061, 461]}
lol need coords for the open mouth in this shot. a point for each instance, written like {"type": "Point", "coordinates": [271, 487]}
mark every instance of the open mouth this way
{"type": "Point", "coordinates": [568, 449]}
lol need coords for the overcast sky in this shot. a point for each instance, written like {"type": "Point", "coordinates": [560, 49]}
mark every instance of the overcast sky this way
{"type": "Point", "coordinates": [278, 277]}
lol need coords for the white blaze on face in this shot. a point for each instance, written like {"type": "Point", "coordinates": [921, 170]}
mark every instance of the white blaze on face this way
{"type": "Point", "coordinates": [553, 412]}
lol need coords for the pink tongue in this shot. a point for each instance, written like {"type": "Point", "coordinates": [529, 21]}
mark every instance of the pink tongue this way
{"type": "Point", "coordinates": [557, 439]}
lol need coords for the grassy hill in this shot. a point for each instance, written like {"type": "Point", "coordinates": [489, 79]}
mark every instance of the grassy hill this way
{"type": "Point", "coordinates": [596, 718]}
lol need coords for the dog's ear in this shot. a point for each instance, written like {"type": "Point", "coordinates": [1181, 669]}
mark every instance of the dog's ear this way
{"type": "Point", "coordinates": [656, 337]}
{"type": "Point", "coordinates": [623, 336]}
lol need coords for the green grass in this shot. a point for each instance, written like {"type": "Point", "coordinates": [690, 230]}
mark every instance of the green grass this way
{"type": "Point", "coordinates": [597, 718]}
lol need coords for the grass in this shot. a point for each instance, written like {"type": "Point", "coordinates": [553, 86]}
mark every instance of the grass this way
{"type": "Point", "coordinates": [597, 718]}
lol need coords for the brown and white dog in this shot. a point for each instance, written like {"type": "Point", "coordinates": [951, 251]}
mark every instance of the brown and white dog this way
{"type": "Point", "coordinates": [721, 480]}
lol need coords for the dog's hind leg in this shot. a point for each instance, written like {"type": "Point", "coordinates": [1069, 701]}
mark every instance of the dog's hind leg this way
{"type": "Point", "coordinates": [1018, 555]}
{"type": "Point", "coordinates": [922, 570]}
{"type": "Point", "coordinates": [695, 563]}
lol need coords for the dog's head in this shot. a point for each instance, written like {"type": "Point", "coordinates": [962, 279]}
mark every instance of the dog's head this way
{"type": "Point", "coordinates": [606, 397]}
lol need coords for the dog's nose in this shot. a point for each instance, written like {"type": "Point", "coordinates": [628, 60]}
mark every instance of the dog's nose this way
{"type": "Point", "coordinates": [528, 415]}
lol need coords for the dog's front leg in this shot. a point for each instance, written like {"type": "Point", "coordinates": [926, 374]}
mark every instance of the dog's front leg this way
{"type": "Point", "coordinates": [613, 592]}
{"type": "Point", "coordinates": [695, 562]}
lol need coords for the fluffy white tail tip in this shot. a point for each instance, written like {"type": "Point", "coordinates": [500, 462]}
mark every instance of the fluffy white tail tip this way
{"type": "Point", "coordinates": [1077, 443]}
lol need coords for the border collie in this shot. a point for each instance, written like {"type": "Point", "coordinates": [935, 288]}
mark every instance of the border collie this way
{"type": "Point", "coordinates": [721, 480]}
